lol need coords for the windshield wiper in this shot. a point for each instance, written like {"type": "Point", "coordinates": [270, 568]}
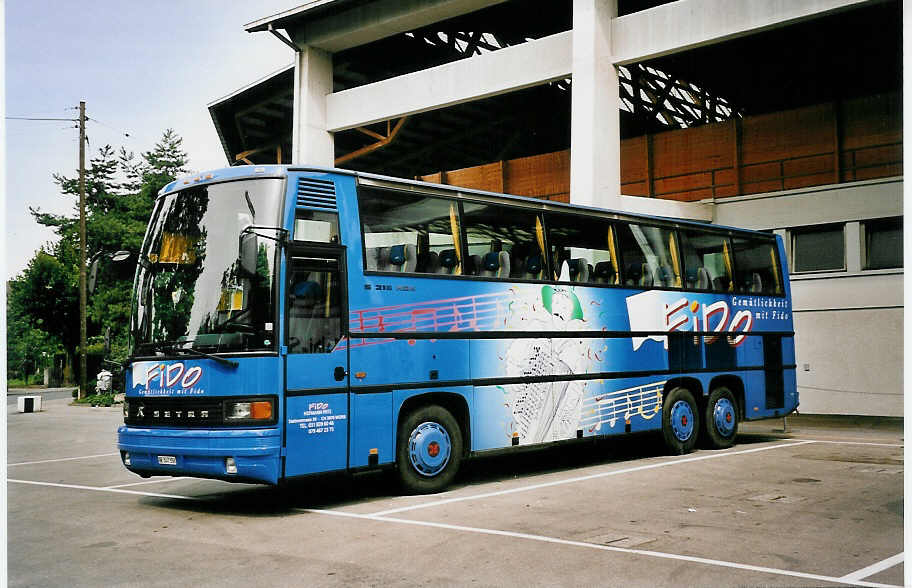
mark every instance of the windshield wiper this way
{"type": "Point", "coordinates": [172, 346]}
{"type": "Point", "coordinates": [198, 353]}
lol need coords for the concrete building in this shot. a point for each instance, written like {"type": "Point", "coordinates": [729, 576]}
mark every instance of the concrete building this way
{"type": "Point", "coordinates": [768, 114]}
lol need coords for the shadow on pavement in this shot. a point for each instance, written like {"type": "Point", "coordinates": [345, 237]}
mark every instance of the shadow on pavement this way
{"type": "Point", "coordinates": [328, 491]}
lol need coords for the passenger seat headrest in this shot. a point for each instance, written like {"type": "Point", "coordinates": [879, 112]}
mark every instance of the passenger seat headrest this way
{"type": "Point", "coordinates": [397, 254]}
{"type": "Point", "coordinates": [428, 262]}
{"type": "Point", "coordinates": [533, 264]}
{"type": "Point", "coordinates": [491, 261]}
{"type": "Point", "coordinates": [448, 258]}
{"type": "Point", "coordinates": [604, 270]}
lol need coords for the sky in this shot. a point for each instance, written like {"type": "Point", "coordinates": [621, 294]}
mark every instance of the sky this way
{"type": "Point", "coordinates": [142, 67]}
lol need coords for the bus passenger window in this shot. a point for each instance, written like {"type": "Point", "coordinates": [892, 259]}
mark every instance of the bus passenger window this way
{"type": "Point", "coordinates": [410, 233]}
{"type": "Point", "coordinates": [650, 256]}
{"type": "Point", "coordinates": [314, 320]}
{"type": "Point", "coordinates": [586, 246]}
{"type": "Point", "coordinates": [707, 261]}
{"type": "Point", "coordinates": [503, 241]}
{"type": "Point", "coordinates": [756, 266]}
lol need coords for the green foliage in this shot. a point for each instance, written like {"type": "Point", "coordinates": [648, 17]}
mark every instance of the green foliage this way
{"type": "Point", "coordinates": [97, 400]}
{"type": "Point", "coordinates": [29, 346]}
{"type": "Point", "coordinates": [45, 297]}
{"type": "Point", "coordinates": [43, 301]}
{"type": "Point", "coordinates": [162, 164]}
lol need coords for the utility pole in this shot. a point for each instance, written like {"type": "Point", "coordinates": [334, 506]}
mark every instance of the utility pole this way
{"type": "Point", "coordinates": [82, 253]}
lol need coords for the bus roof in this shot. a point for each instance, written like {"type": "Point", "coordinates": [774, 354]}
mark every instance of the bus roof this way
{"type": "Point", "coordinates": [275, 170]}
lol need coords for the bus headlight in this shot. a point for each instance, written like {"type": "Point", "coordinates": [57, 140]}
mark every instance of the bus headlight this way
{"type": "Point", "coordinates": [249, 410]}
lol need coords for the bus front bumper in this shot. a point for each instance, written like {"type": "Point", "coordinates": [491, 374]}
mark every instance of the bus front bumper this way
{"type": "Point", "coordinates": [236, 455]}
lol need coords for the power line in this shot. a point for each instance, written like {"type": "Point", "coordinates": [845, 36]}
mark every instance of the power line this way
{"type": "Point", "coordinates": [125, 133]}
{"type": "Point", "coordinates": [129, 135]}
{"type": "Point", "coordinates": [76, 120]}
{"type": "Point", "coordinates": [39, 118]}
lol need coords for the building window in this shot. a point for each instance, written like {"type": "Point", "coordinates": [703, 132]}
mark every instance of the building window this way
{"type": "Point", "coordinates": [883, 243]}
{"type": "Point", "coordinates": [820, 248]}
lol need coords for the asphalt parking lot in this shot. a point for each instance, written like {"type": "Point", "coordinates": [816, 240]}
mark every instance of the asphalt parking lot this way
{"type": "Point", "coordinates": [819, 505]}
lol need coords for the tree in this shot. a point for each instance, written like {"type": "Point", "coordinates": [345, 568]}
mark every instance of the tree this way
{"type": "Point", "coordinates": [120, 192]}
{"type": "Point", "coordinates": [46, 292]}
{"type": "Point", "coordinates": [28, 346]}
{"type": "Point", "coordinates": [164, 163]}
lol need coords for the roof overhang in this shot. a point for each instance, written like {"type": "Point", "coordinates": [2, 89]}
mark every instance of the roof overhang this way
{"type": "Point", "coordinates": [296, 15]}
{"type": "Point", "coordinates": [336, 25]}
{"type": "Point", "coordinates": [256, 116]}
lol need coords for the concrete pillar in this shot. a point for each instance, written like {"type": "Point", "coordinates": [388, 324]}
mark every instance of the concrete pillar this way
{"type": "Point", "coordinates": [595, 133]}
{"type": "Point", "coordinates": [311, 144]}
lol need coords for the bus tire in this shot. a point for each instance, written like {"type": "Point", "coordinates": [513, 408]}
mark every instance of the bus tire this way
{"type": "Point", "coordinates": [428, 450]}
{"type": "Point", "coordinates": [680, 421]}
{"type": "Point", "coordinates": [720, 421]}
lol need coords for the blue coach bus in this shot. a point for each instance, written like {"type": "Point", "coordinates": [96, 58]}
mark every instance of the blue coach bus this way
{"type": "Point", "coordinates": [290, 321]}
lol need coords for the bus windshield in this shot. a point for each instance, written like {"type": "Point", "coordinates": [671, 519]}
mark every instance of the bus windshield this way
{"type": "Point", "coordinates": [192, 289]}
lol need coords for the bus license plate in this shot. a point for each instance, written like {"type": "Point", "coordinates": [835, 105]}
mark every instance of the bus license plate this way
{"type": "Point", "coordinates": [167, 460]}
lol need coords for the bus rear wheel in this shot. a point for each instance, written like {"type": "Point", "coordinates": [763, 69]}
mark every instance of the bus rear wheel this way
{"type": "Point", "coordinates": [720, 419]}
{"type": "Point", "coordinates": [428, 450]}
{"type": "Point", "coordinates": [680, 421]}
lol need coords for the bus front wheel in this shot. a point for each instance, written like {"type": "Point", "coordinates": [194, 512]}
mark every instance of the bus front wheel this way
{"type": "Point", "coordinates": [428, 450]}
{"type": "Point", "coordinates": [680, 421]}
{"type": "Point", "coordinates": [721, 419]}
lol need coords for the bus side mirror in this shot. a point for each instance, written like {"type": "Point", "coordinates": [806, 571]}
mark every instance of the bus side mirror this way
{"type": "Point", "coordinates": [247, 254]}
{"type": "Point", "coordinates": [92, 277]}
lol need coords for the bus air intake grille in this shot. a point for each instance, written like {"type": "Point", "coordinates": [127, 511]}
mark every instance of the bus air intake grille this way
{"type": "Point", "coordinates": [316, 194]}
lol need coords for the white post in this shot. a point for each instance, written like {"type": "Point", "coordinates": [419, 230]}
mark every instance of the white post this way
{"type": "Point", "coordinates": [311, 143]}
{"type": "Point", "coordinates": [854, 245]}
{"type": "Point", "coordinates": [595, 134]}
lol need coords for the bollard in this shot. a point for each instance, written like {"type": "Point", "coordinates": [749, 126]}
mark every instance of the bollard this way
{"type": "Point", "coordinates": [29, 403]}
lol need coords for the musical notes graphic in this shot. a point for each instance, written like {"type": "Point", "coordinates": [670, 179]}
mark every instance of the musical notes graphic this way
{"type": "Point", "coordinates": [466, 313]}
{"type": "Point", "coordinates": [645, 401]}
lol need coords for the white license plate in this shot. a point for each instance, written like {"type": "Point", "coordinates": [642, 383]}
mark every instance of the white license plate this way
{"type": "Point", "coordinates": [167, 460]}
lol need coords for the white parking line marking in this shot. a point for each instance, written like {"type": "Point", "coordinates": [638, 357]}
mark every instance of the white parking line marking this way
{"type": "Point", "coordinates": [585, 478]}
{"type": "Point", "coordinates": [22, 463]}
{"type": "Point", "coordinates": [100, 489]}
{"type": "Point", "coordinates": [545, 539]}
{"type": "Point", "coordinates": [854, 578]}
{"type": "Point", "coordinates": [147, 482]}
{"type": "Point", "coordinates": [840, 442]}
{"type": "Point", "coordinates": [874, 568]}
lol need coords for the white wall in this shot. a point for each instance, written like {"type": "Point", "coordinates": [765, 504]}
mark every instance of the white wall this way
{"type": "Point", "coordinates": [853, 360]}
{"type": "Point", "coordinates": [848, 324]}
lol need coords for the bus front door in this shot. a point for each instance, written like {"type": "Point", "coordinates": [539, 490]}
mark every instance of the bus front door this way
{"type": "Point", "coordinates": [316, 364]}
